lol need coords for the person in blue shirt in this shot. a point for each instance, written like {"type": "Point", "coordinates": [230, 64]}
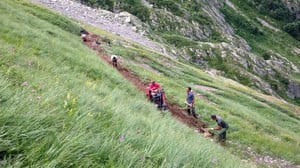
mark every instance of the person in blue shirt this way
{"type": "Point", "coordinates": [190, 102]}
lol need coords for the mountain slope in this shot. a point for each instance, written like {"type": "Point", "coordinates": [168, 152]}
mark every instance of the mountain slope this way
{"type": "Point", "coordinates": [62, 106]}
{"type": "Point", "coordinates": [217, 34]}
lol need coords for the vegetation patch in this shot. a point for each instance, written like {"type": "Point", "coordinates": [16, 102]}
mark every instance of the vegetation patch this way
{"type": "Point", "coordinates": [178, 41]}
{"type": "Point", "coordinates": [62, 106]}
{"type": "Point", "coordinates": [53, 18]}
{"type": "Point", "coordinates": [277, 10]}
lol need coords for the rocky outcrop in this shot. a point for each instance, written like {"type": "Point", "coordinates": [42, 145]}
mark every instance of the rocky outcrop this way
{"type": "Point", "coordinates": [266, 24]}
{"type": "Point", "coordinates": [293, 90]}
{"type": "Point", "coordinates": [258, 66]}
{"type": "Point", "coordinates": [238, 51]}
{"type": "Point", "coordinates": [212, 9]}
{"type": "Point", "coordinates": [293, 5]}
{"type": "Point", "coordinates": [123, 24]}
{"type": "Point", "coordinates": [163, 20]}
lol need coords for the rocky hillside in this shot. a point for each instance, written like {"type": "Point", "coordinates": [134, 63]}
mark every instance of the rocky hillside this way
{"type": "Point", "coordinates": [253, 42]}
{"type": "Point", "coordinates": [64, 106]}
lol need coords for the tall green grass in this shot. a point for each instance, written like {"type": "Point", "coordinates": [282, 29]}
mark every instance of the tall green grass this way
{"type": "Point", "coordinates": [268, 127]}
{"type": "Point", "coordinates": [264, 123]}
{"type": "Point", "coordinates": [61, 106]}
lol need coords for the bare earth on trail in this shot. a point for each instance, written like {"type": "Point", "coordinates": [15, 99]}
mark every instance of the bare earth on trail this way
{"type": "Point", "coordinates": [176, 111]}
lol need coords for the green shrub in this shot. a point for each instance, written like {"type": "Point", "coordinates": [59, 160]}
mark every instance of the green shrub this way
{"type": "Point", "coordinates": [136, 8]}
{"type": "Point", "coordinates": [241, 23]}
{"type": "Point", "coordinates": [105, 4]}
{"type": "Point", "coordinates": [293, 29]}
{"type": "Point", "coordinates": [200, 18]}
{"type": "Point", "coordinates": [266, 56]}
{"type": "Point", "coordinates": [275, 9]}
{"type": "Point", "coordinates": [279, 11]}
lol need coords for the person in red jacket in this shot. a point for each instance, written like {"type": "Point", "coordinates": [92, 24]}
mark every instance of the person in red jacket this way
{"type": "Point", "coordinates": [153, 88]}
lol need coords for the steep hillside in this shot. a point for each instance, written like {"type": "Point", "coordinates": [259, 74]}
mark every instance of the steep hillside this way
{"type": "Point", "coordinates": [63, 106]}
{"type": "Point", "coordinates": [246, 41]}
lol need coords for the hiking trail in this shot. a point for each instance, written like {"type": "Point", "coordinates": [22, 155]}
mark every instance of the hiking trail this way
{"type": "Point", "coordinates": [92, 41]}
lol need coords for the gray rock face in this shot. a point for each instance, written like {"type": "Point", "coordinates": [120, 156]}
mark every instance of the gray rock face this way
{"type": "Point", "coordinates": [238, 50]}
{"type": "Point", "coordinates": [123, 24]}
{"type": "Point", "coordinates": [212, 10]}
{"type": "Point", "coordinates": [293, 90]}
{"type": "Point", "coordinates": [249, 62]}
{"type": "Point", "coordinates": [293, 5]}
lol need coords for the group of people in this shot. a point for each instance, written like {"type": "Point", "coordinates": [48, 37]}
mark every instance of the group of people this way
{"type": "Point", "coordinates": [154, 88]}
{"type": "Point", "coordinates": [222, 126]}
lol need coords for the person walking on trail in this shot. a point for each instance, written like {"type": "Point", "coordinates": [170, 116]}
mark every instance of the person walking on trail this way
{"type": "Point", "coordinates": [222, 126]}
{"type": "Point", "coordinates": [114, 60]}
{"type": "Point", "coordinates": [84, 34]}
{"type": "Point", "coordinates": [190, 102]}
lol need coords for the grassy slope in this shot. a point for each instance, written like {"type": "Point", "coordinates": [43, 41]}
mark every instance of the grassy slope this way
{"type": "Point", "coordinates": [61, 106]}
{"type": "Point", "coordinates": [268, 125]}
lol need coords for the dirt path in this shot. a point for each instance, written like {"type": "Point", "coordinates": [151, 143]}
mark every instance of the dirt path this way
{"type": "Point", "coordinates": [91, 41]}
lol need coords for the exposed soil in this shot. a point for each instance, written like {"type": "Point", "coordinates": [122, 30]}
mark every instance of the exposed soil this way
{"type": "Point", "coordinates": [92, 41]}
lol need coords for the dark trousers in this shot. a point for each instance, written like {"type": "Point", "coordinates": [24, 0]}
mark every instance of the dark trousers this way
{"type": "Point", "coordinates": [222, 135]}
{"type": "Point", "coordinates": [191, 109]}
{"type": "Point", "coordinates": [115, 62]}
